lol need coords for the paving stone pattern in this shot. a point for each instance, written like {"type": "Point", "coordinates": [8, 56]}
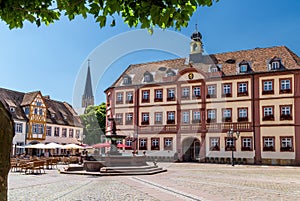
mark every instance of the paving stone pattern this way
{"type": "Point", "coordinates": [182, 181]}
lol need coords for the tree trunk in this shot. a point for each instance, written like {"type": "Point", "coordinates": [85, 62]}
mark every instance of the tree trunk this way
{"type": "Point", "coordinates": [6, 136]}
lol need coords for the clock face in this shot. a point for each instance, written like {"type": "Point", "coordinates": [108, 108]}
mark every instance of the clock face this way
{"type": "Point", "coordinates": [191, 76]}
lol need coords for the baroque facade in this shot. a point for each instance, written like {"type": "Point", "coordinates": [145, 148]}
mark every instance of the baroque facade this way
{"type": "Point", "coordinates": [183, 108]}
{"type": "Point", "coordinates": [39, 119]}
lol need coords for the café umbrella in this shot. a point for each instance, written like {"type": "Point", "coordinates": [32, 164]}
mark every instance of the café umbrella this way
{"type": "Point", "coordinates": [72, 146]}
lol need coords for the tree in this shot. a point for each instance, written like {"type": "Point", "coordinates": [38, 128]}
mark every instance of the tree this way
{"type": "Point", "coordinates": [94, 119]}
{"type": "Point", "coordinates": [6, 136]}
{"type": "Point", "coordinates": [147, 13]}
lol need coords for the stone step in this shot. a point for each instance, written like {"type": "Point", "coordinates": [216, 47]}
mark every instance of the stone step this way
{"type": "Point", "coordinates": [131, 168]}
{"type": "Point", "coordinates": [140, 172]}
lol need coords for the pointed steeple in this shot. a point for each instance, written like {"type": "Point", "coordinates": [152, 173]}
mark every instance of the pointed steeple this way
{"type": "Point", "coordinates": [88, 97]}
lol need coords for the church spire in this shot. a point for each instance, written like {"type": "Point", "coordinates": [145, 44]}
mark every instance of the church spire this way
{"type": "Point", "coordinates": [88, 97]}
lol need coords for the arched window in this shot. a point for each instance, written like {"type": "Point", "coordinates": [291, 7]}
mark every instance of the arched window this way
{"type": "Point", "coordinates": [148, 77]}
{"type": "Point", "coordinates": [275, 64]}
{"type": "Point", "coordinates": [170, 73]}
{"type": "Point", "coordinates": [127, 80]}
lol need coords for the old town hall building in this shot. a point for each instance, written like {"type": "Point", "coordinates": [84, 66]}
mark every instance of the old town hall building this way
{"type": "Point", "coordinates": [183, 108]}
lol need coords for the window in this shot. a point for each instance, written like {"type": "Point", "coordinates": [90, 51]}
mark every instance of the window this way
{"type": "Point", "coordinates": [229, 144]}
{"type": "Point", "coordinates": [269, 143]}
{"type": "Point", "coordinates": [246, 143]}
{"type": "Point", "coordinates": [158, 95]}
{"type": "Point", "coordinates": [268, 114]}
{"type": "Point", "coordinates": [64, 132]}
{"type": "Point", "coordinates": [242, 89]}
{"type": "Point", "coordinates": [154, 143]}
{"type": "Point", "coordinates": [71, 133]}
{"type": "Point", "coordinates": [56, 131]}
{"type": "Point", "coordinates": [214, 144]}
{"type": "Point", "coordinates": [286, 144]}
{"type": "Point", "coordinates": [40, 111]}
{"type": "Point", "coordinates": [170, 73]}
{"type": "Point", "coordinates": [171, 118]}
{"type": "Point", "coordinates": [226, 115]}
{"type": "Point", "coordinates": [196, 117]}
{"type": "Point", "coordinates": [196, 92]}
{"type": "Point", "coordinates": [211, 91]}
{"type": "Point", "coordinates": [19, 127]}
{"type": "Point", "coordinates": [49, 131]}
{"type": "Point", "coordinates": [129, 119]}
{"type": "Point", "coordinates": [37, 128]}
{"type": "Point", "coordinates": [242, 114]}
{"type": "Point", "coordinates": [268, 87]}
{"type": "Point", "coordinates": [171, 95]}
{"type": "Point", "coordinates": [12, 109]}
{"type": "Point", "coordinates": [119, 119]}
{"type": "Point", "coordinates": [185, 117]}
{"type": "Point", "coordinates": [145, 118]}
{"type": "Point", "coordinates": [227, 90]}
{"type": "Point", "coordinates": [38, 103]}
{"type": "Point", "coordinates": [35, 111]}
{"type": "Point", "coordinates": [168, 143]}
{"type": "Point", "coordinates": [211, 116]}
{"type": "Point", "coordinates": [119, 98]}
{"type": "Point", "coordinates": [128, 143]}
{"type": "Point", "coordinates": [243, 68]}
{"type": "Point", "coordinates": [127, 80]}
{"type": "Point", "coordinates": [129, 97]}
{"type": "Point", "coordinates": [285, 86]}
{"type": "Point", "coordinates": [77, 134]}
{"type": "Point", "coordinates": [146, 95]}
{"type": "Point", "coordinates": [143, 144]}
{"type": "Point", "coordinates": [285, 112]}
{"type": "Point", "coordinates": [274, 64]}
{"type": "Point", "coordinates": [158, 117]}
{"type": "Point", "coordinates": [148, 77]}
{"type": "Point", "coordinates": [27, 110]}
{"type": "Point", "coordinates": [186, 93]}
{"type": "Point", "coordinates": [213, 69]}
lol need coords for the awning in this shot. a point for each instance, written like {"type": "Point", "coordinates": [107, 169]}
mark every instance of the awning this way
{"type": "Point", "coordinates": [53, 145]}
{"type": "Point", "coordinates": [123, 146]}
{"type": "Point", "coordinates": [101, 145]}
{"type": "Point", "coordinates": [72, 146]}
{"type": "Point", "coordinates": [36, 146]}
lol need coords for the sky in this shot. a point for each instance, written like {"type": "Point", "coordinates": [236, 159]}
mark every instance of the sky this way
{"type": "Point", "coordinates": [53, 59]}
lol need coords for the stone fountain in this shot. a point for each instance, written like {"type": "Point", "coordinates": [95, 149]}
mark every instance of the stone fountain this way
{"type": "Point", "coordinates": [114, 163]}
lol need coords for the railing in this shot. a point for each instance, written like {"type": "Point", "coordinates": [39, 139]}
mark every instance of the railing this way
{"type": "Point", "coordinates": [213, 127]}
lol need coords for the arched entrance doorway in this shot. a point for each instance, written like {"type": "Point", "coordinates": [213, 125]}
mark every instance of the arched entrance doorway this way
{"type": "Point", "coordinates": [191, 149]}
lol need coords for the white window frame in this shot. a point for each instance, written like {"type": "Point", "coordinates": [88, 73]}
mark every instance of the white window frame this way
{"type": "Point", "coordinates": [268, 85]}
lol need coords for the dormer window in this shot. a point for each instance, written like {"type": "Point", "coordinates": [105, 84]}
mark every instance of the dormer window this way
{"type": "Point", "coordinates": [275, 63]}
{"type": "Point", "coordinates": [65, 117]}
{"type": "Point", "coordinates": [213, 69]}
{"type": "Point", "coordinates": [170, 73]}
{"type": "Point", "coordinates": [244, 67]}
{"type": "Point", "coordinates": [148, 77]}
{"type": "Point", "coordinates": [12, 109]}
{"type": "Point", "coordinates": [127, 80]}
{"type": "Point", "coordinates": [52, 115]}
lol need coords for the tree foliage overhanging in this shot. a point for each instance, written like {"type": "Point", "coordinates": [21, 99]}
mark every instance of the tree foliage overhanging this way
{"type": "Point", "coordinates": [147, 13]}
{"type": "Point", "coordinates": [94, 119]}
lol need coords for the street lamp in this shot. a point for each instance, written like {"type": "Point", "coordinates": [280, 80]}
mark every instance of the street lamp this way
{"type": "Point", "coordinates": [230, 135]}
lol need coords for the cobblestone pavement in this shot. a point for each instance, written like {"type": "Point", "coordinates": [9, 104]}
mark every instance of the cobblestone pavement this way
{"type": "Point", "coordinates": [182, 181]}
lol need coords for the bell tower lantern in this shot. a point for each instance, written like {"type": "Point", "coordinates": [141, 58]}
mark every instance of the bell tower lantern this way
{"type": "Point", "coordinates": [196, 46]}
